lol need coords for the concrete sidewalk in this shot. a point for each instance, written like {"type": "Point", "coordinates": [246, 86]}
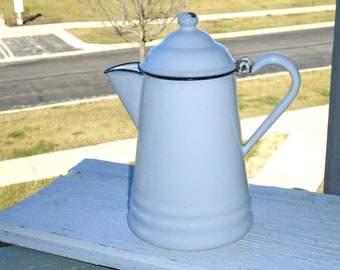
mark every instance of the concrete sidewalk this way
{"type": "Point", "coordinates": [59, 163]}
{"type": "Point", "coordinates": [298, 163]}
{"type": "Point", "coordinates": [70, 45]}
{"type": "Point", "coordinates": [300, 160]}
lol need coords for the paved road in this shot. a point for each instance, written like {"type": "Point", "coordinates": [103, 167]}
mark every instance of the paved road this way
{"type": "Point", "coordinates": [308, 49]}
{"type": "Point", "coordinates": [41, 82]}
{"type": "Point", "coordinates": [48, 81]}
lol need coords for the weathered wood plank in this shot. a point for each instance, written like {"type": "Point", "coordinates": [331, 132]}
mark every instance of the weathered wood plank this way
{"type": "Point", "coordinates": [83, 216]}
{"type": "Point", "coordinates": [14, 258]}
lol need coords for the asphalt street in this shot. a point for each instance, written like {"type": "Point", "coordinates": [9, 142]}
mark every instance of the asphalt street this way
{"type": "Point", "coordinates": [60, 79]}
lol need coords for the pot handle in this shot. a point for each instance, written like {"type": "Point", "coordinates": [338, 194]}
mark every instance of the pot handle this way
{"type": "Point", "coordinates": [286, 63]}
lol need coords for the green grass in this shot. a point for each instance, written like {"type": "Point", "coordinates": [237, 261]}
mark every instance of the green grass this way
{"type": "Point", "coordinates": [251, 23]}
{"type": "Point", "coordinates": [254, 101]}
{"type": "Point", "coordinates": [65, 127]}
{"type": "Point", "coordinates": [13, 194]}
{"type": "Point", "coordinates": [255, 159]}
{"type": "Point", "coordinates": [79, 10]}
{"type": "Point", "coordinates": [222, 6]}
{"type": "Point", "coordinates": [106, 35]}
{"type": "Point", "coordinates": [38, 148]}
{"type": "Point", "coordinates": [63, 10]}
{"type": "Point", "coordinates": [67, 11]}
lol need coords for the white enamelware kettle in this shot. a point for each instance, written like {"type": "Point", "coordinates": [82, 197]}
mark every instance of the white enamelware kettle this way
{"type": "Point", "coordinates": [189, 190]}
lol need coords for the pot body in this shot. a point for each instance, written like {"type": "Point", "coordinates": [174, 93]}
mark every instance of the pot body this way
{"type": "Point", "coordinates": [190, 189]}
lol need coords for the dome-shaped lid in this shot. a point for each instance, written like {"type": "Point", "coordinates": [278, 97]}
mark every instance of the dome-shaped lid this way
{"type": "Point", "coordinates": [188, 53]}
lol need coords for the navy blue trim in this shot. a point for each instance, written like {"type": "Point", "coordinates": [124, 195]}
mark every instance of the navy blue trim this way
{"type": "Point", "coordinates": [124, 69]}
{"type": "Point", "coordinates": [172, 78]}
{"type": "Point", "coordinates": [186, 78]}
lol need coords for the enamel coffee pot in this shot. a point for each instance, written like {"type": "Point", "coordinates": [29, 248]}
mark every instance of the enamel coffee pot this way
{"type": "Point", "coordinates": [189, 190]}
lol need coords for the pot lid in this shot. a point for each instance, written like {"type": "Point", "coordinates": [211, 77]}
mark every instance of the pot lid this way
{"type": "Point", "coordinates": [188, 53]}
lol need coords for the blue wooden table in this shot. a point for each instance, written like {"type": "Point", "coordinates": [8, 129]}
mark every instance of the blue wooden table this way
{"type": "Point", "coordinates": [82, 216]}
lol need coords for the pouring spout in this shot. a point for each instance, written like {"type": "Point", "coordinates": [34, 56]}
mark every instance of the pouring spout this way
{"type": "Point", "coordinates": [127, 81]}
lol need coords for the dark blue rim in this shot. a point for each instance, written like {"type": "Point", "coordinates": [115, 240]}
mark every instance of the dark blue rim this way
{"type": "Point", "coordinates": [187, 78]}
{"type": "Point", "coordinates": [171, 77]}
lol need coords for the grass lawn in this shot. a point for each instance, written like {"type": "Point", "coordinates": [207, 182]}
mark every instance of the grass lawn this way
{"type": "Point", "coordinates": [64, 127]}
{"type": "Point", "coordinates": [254, 160]}
{"type": "Point", "coordinates": [79, 10]}
{"type": "Point", "coordinates": [106, 35]}
{"type": "Point", "coordinates": [12, 194]}
{"type": "Point", "coordinates": [67, 11]}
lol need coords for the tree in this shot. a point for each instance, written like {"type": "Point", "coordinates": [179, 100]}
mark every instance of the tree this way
{"type": "Point", "coordinates": [138, 20]}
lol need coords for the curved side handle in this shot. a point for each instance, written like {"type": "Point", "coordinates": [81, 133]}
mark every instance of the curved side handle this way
{"type": "Point", "coordinates": [286, 63]}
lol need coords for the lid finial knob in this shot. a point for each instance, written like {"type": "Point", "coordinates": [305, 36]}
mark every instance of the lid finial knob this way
{"type": "Point", "coordinates": [187, 19]}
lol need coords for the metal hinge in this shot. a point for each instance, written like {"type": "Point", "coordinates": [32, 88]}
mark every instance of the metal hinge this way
{"type": "Point", "coordinates": [244, 65]}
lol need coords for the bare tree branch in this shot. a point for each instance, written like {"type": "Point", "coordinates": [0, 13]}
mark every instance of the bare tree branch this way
{"type": "Point", "coordinates": [138, 20]}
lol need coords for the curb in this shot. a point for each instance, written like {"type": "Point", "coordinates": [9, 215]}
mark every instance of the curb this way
{"type": "Point", "coordinates": [83, 48]}
{"type": "Point", "coordinates": [294, 165]}
{"type": "Point", "coordinates": [74, 102]}
{"type": "Point", "coordinates": [56, 163]}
